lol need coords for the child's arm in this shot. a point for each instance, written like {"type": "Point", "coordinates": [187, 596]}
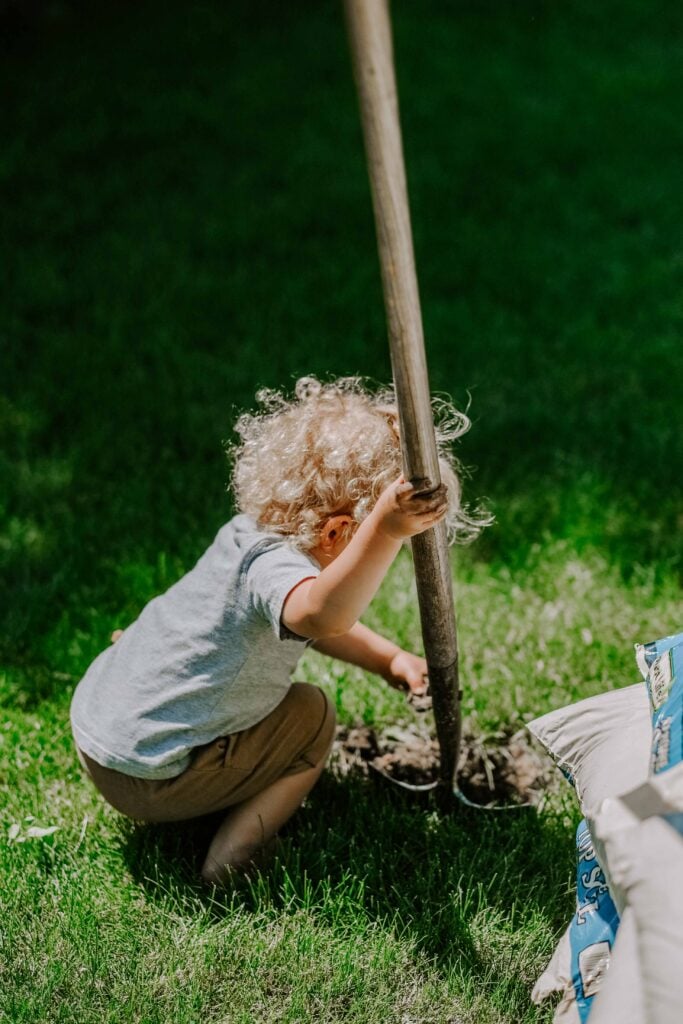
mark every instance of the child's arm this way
{"type": "Point", "coordinates": [332, 603]}
{"type": "Point", "coordinates": [363, 647]}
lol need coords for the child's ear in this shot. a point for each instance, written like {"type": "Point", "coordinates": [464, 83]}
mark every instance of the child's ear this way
{"type": "Point", "coordinates": [335, 529]}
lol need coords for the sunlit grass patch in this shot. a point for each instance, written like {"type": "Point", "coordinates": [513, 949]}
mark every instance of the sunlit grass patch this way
{"type": "Point", "coordinates": [555, 629]}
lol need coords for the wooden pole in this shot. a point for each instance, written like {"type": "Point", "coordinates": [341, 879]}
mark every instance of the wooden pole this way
{"type": "Point", "coordinates": [370, 35]}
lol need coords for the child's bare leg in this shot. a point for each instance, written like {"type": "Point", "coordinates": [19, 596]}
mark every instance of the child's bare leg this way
{"type": "Point", "coordinates": [251, 824]}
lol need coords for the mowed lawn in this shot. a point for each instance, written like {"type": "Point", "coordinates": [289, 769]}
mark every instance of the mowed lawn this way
{"type": "Point", "coordinates": [185, 218]}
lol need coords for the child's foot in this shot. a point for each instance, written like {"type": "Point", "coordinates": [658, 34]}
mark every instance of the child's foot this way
{"type": "Point", "coordinates": [261, 861]}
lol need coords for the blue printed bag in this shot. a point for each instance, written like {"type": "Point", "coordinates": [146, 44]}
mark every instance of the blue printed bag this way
{"type": "Point", "coordinates": [594, 926]}
{"type": "Point", "coordinates": [646, 654]}
{"type": "Point", "coordinates": [665, 687]}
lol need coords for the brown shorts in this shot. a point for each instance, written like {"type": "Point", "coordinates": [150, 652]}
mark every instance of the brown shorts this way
{"type": "Point", "coordinates": [230, 769]}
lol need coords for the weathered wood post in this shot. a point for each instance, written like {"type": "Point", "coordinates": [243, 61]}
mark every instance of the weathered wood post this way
{"type": "Point", "coordinates": [370, 34]}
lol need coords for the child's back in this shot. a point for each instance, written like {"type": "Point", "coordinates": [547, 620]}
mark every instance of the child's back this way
{"type": "Point", "coordinates": [207, 658]}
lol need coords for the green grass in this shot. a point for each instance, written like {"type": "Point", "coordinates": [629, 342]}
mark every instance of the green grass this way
{"type": "Point", "coordinates": [185, 217]}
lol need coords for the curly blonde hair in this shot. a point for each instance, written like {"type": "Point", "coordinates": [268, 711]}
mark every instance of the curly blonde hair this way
{"type": "Point", "coordinates": [331, 450]}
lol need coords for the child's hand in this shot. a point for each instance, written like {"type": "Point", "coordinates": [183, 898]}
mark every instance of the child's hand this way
{"type": "Point", "coordinates": [401, 513]}
{"type": "Point", "coordinates": [407, 672]}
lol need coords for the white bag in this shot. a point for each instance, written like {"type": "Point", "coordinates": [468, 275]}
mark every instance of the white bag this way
{"type": "Point", "coordinates": [641, 834]}
{"type": "Point", "coordinates": [645, 857]}
{"type": "Point", "coordinates": [620, 1000]}
{"type": "Point", "coordinates": [603, 745]}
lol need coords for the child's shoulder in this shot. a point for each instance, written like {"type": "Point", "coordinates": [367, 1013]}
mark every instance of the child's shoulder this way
{"type": "Point", "coordinates": [245, 532]}
{"type": "Point", "coordinates": [265, 567]}
{"type": "Point", "coordinates": [247, 540]}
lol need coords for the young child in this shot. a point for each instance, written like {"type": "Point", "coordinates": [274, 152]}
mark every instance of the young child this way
{"type": "Point", "coordinates": [192, 710]}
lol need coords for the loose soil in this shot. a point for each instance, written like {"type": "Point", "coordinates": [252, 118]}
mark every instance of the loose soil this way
{"type": "Point", "coordinates": [504, 768]}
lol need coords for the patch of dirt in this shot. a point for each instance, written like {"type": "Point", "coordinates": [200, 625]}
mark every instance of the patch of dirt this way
{"type": "Point", "coordinates": [502, 768]}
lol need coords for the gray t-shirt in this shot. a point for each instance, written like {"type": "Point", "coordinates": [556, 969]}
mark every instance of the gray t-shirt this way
{"type": "Point", "coordinates": [208, 658]}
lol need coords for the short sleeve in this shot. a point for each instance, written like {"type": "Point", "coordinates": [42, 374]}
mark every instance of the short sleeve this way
{"type": "Point", "coordinates": [272, 573]}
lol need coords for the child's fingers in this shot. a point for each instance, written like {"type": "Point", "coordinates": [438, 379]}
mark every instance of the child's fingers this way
{"type": "Point", "coordinates": [418, 504]}
{"type": "Point", "coordinates": [431, 514]}
{"type": "Point", "coordinates": [417, 682]}
{"type": "Point", "coordinates": [426, 522]}
{"type": "Point", "coordinates": [420, 702]}
{"type": "Point", "coordinates": [404, 489]}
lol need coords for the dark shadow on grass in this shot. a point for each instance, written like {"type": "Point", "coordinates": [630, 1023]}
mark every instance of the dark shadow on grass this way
{"type": "Point", "coordinates": [400, 859]}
